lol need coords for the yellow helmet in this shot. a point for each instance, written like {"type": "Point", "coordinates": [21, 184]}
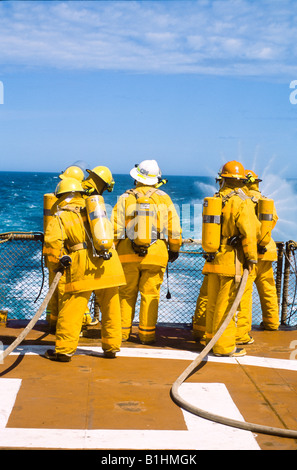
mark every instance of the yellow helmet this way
{"type": "Point", "coordinates": [73, 171]}
{"type": "Point", "coordinates": [68, 185]}
{"type": "Point", "coordinates": [234, 170]}
{"type": "Point", "coordinates": [252, 177]}
{"type": "Point", "coordinates": [105, 174]}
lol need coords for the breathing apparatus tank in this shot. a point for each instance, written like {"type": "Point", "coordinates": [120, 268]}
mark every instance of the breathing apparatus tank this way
{"type": "Point", "coordinates": [145, 222]}
{"type": "Point", "coordinates": [101, 228]}
{"type": "Point", "coordinates": [211, 226]}
{"type": "Point", "coordinates": [49, 200]}
{"type": "Point", "coordinates": [265, 215]}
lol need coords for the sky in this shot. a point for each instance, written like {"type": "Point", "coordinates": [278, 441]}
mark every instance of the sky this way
{"type": "Point", "coordinates": [191, 84]}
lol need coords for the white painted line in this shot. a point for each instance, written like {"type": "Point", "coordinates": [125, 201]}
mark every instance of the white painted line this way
{"type": "Point", "coordinates": [215, 398]}
{"type": "Point", "coordinates": [8, 391]}
{"type": "Point", "coordinates": [200, 435]}
{"type": "Point", "coordinates": [159, 353]}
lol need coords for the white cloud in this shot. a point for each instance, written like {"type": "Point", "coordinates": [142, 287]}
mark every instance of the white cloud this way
{"type": "Point", "coordinates": [231, 37]}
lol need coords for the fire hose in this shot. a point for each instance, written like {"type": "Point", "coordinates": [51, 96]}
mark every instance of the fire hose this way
{"type": "Point", "coordinates": [211, 416]}
{"type": "Point", "coordinates": [65, 261]}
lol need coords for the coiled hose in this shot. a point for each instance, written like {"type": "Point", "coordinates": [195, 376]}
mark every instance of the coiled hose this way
{"type": "Point", "coordinates": [36, 317]}
{"type": "Point", "coordinates": [258, 428]}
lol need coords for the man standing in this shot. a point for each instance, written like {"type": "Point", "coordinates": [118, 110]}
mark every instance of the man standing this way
{"type": "Point", "coordinates": [69, 232]}
{"type": "Point", "coordinates": [144, 250]}
{"type": "Point", "coordinates": [238, 249]}
{"type": "Point", "coordinates": [262, 273]}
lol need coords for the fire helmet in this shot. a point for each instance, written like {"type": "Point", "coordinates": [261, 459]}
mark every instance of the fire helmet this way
{"type": "Point", "coordinates": [252, 177]}
{"type": "Point", "coordinates": [68, 185]}
{"type": "Point", "coordinates": [73, 171]}
{"type": "Point", "coordinates": [147, 172]}
{"type": "Point", "coordinates": [234, 170]}
{"type": "Point", "coordinates": [105, 174]}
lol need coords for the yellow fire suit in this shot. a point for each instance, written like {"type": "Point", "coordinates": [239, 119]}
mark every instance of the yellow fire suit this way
{"type": "Point", "coordinates": [55, 304]}
{"type": "Point", "coordinates": [144, 274]}
{"type": "Point", "coordinates": [263, 276]}
{"type": "Point", "coordinates": [69, 232]}
{"type": "Point", "coordinates": [199, 317]}
{"type": "Point", "coordinates": [224, 271]}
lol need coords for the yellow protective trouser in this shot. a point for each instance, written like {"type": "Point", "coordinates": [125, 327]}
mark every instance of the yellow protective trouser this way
{"type": "Point", "coordinates": [262, 275]}
{"type": "Point", "coordinates": [199, 318]}
{"type": "Point", "coordinates": [71, 317]}
{"type": "Point", "coordinates": [55, 303]}
{"type": "Point", "coordinates": [147, 279]}
{"type": "Point", "coordinates": [221, 295]}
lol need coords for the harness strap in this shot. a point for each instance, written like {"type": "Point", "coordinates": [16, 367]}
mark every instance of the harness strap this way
{"type": "Point", "coordinates": [79, 246]}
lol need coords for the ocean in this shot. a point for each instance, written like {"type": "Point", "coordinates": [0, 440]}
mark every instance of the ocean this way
{"type": "Point", "coordinates": [22, 200]}
{"type": "Point", "coordinates": [22, 210]}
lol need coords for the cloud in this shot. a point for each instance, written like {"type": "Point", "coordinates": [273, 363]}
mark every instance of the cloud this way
{"type": "Point", "coordinates": [221, 37]}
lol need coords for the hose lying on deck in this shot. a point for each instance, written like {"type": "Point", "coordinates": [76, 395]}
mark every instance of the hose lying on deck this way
{"type": "Point", "coordinates": [36, 317]}
{"type": "Point", "coordinates": [211, 416]}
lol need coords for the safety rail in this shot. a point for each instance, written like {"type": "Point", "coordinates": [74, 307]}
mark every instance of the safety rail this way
{"type": "Point", "coordinates": [24, 281]}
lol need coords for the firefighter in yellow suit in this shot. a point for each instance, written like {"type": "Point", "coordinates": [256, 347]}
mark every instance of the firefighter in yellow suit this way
{"type": "Point", "coordinates": [199, 317]}
{"type": "Point", "coordinates": [144, 267]}
{"type": "Point", "coordinates": [69, 231]}
{"type": "Point", "coordinates": [99, 179]}
{"type": "Point", "coordinates": [50, 207]}
{"type": "Point", "coordinates": [262, 275]}
{"type": "Point", "coordinates": [238, 248]}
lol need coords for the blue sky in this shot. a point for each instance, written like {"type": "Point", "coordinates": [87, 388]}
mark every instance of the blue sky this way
{"type": "Point", "coordinates": [191, 84]}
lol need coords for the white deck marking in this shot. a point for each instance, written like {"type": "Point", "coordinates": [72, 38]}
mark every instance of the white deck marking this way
{"type": "Point", "coordinates": [201, 434]}
{"type": "Point", "coordinates": [8, 391]}
{"type": "Point", "coordinates": [159, 353]}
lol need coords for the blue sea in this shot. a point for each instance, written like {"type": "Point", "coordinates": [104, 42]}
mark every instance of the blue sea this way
{"type": "Point", "coordinates": [21, 206]}
{"type": "Point", "coordinates": [22, 198]}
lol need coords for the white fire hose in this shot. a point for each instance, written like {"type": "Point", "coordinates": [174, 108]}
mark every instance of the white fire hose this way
{"type": "Point", "coordinates": [258, 428]}
{"type": "Point", "coordinates": [36, 317]}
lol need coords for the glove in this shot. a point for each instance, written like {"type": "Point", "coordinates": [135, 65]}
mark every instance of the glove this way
{"type": "Point", "coordinates": [65, 261]}
{"type": "Point", "coordinates": [249, 264]}
{"type": "Point", "coordinates": [173, 255]}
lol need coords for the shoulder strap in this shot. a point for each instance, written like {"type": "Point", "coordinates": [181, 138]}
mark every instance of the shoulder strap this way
{"type": "Point", "coordinates": [138, 194]}
{"type": "Point", "coordinates": [237, 192]}
{"type": "Point", "coordinates": [134, 192]}
{"type": "Point", "coordinates": [76, 209]}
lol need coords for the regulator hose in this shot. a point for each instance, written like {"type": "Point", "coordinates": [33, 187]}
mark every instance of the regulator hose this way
{"type": "Point", "coordinates": [258, 428]}
{"type": "Point", "coordinates": [36, 317]}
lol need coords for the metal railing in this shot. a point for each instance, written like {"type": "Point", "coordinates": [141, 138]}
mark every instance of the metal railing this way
{"type": "Point", "coordinates": [24, 280]}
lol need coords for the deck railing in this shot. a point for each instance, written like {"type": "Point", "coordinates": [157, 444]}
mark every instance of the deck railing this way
{"type": "Point", "coordinates": [24, 281]}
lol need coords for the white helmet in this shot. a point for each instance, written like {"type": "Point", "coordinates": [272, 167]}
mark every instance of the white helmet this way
{"type": "Point", "coordinates": [147, 172]}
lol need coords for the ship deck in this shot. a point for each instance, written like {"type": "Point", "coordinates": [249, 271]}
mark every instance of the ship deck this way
{"type": "Point", "coordinates": [125, 403]}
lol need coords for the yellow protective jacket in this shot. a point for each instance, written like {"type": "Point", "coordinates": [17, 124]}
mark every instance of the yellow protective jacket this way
{"type": "Point", "coordinates": [271, 250]}
{"type": "Point", "coordinates": [168, 227]}
{"type": "Point", "coordinates": [68, 233]}
{"type": "Point", "coordinates": [238, 220]}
